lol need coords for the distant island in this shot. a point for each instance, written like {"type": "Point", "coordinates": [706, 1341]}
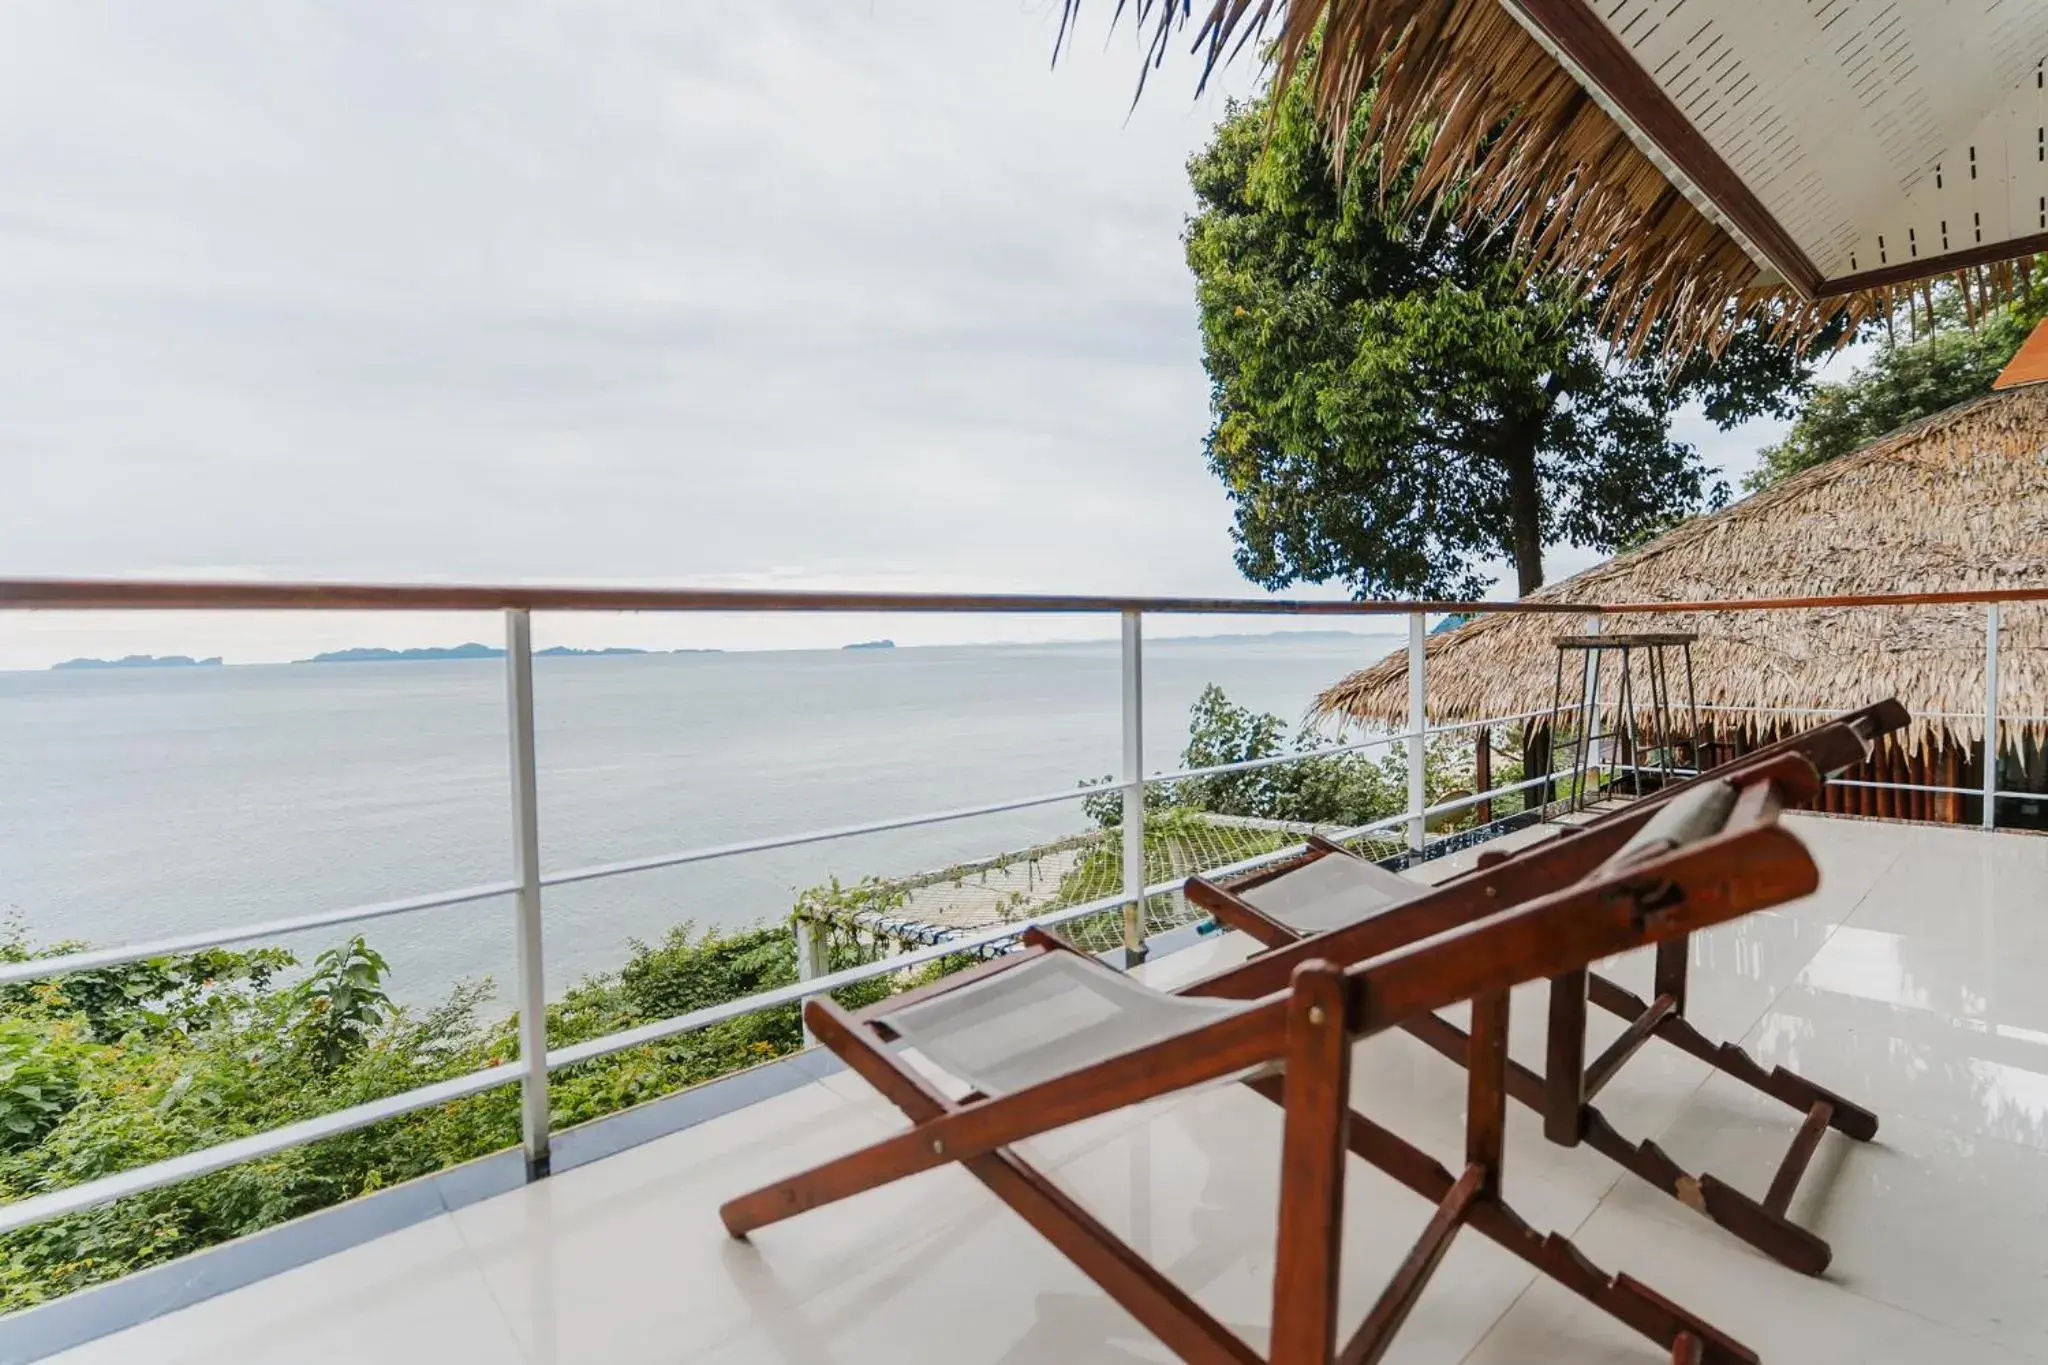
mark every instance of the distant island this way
{"type": "Point", "coordinates": [371, 655]}
{"type": "Point", "coordinates": [871, 644]}
{"type": "Point", "coordinates": [436, 653]}
{"type": "Point", "coordinates": [142, 661]}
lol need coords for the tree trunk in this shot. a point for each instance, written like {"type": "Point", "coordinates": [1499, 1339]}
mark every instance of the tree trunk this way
{"type": "Point", "coordinates": [1525, 513]}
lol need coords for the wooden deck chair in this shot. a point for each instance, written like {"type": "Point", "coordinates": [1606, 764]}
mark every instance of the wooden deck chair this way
{"type": "Point", "coordinates": [1299, 905]}
{"type": "Point", "coordinates": [1048, 1037]}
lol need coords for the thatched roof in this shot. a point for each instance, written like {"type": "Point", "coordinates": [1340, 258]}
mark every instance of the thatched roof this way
{"type": "Point", "coordinates": [1507, 126]}
{"type": "Point", "coordinates": [1956, 501]}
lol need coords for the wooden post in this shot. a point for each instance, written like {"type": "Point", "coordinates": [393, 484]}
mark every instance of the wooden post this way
{"type": "Point", "coordinates": [1486, 1093]}
{"type": "Point", "coordinates": [1313, 1143]}
{"type": "Point", "coordinates": [1951, 776]}
{"type": "Point", "coordinates": [1482, 773]}
{"type": "Point", "coordinates": [1564, 1069]}
{"type": "Point", "coordinates": [1536, 762]}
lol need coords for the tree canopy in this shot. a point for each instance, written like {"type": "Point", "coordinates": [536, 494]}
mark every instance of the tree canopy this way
{"type": "Point", "coordinates": [1905, 381]}
{"type": "Point", "coordinates": [1396, 401]}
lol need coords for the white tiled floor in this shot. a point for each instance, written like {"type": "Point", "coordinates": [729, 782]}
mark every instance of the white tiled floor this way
{"type": "Point", "coordinates": [1916, 980]}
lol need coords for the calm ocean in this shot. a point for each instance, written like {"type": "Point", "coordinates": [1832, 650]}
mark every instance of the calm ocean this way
{"type": "Point", "coordinates": [146, 802]}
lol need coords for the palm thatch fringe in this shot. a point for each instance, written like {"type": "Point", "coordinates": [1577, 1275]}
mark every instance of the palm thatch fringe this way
{"type": "Point", "coordinates": [1511, 141]}
{"type": "Point", "coordinates": [1956, 501]}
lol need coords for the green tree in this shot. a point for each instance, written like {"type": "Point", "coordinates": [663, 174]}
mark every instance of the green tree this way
{"type": "Point", "coordinates": [1395, 400]}
{"type": "Point", "coordinates": [1905, 381]}
{"type": "Point", "coordinates": [1344, 789]}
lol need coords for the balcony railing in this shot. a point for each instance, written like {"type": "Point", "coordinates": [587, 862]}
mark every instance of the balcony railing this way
{"type": "Point", "coordinates": [529, 881]}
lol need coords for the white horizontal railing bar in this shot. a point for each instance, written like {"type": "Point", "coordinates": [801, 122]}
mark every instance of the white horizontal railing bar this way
{"type": "Point", "coordinates": [594, 1048]}
{"type": "Point", "coordinates": [41, 1208]}
{"type": "Point", "coordinates": [39, 968]}
{"type": "Point", "coordinates": [55, 1204]}
{"type": "Point", "coordinates": [832, 981]}
{"type": "Point", "coordinates": [705, 854]}
{"type": "Point", "coordinates": [1253, 764]}
{"type": "Point", "coordinates": [814, 836]}
{"type": "Point", "coordinates": [1484, 724]}
{"type": "Point", "coordinates": [1445, 807]}
{"type": "Point", "coordinates": [1943, 791]}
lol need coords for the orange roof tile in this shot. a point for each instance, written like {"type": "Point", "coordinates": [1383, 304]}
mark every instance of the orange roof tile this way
{"type": "Point", "coordinates": [2030, 366]}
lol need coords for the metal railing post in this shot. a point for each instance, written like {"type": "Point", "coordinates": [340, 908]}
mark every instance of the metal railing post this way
{"type": "Point", "coordinates": [533, 996]}
{"type": "Point", "coordinates": [810, 963]}
{"type": "Point", "coordinates": [1134, 788]}
{"type": "Point", "coordinates": [1418, 697]}
{"type": "Point", "coordinates": [1990, 715]}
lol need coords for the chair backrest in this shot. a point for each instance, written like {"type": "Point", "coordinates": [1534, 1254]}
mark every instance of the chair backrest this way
{"type": "Point", "coordinates": [1330, 892]}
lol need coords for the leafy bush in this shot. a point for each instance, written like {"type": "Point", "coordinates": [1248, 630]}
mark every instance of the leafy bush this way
{"type": "Point", "coordinates": [40, 1064]}
{"type": "Point", "coordinates": [1331, 789]}
{"type": "Point", "coordinates": [104, 1071]}
{"type": "Point", "coordinates": [1906, 380]}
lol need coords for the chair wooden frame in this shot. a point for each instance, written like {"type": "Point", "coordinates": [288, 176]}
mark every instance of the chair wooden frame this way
{"type": "Point", "coordinates": [1306, 1025]}
{"type": "Point", "coordinates": [1565, 1092]}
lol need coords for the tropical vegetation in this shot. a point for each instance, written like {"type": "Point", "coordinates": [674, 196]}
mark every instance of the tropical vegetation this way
{"type": "Point", "coordinates": [1397, 402]}
{"type": "Point", "coordinates": [1952, 359]}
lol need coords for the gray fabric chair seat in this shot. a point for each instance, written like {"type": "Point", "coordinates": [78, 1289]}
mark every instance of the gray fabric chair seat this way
{"type": "Point", "coordinates": [1330, 893]}
{"type": "Point", "coordinates": [1045, 1018]}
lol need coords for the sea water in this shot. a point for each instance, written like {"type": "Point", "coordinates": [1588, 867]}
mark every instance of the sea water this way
{"type": "Point", "coordinates": [141, 803]}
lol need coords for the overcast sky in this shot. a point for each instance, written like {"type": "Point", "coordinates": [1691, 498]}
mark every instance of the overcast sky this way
{"type": "Point", "coordinates": [763, 294]}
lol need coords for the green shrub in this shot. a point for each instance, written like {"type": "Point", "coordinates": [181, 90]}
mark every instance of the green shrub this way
{"type": "Point", "coordinates": [105, 1071]}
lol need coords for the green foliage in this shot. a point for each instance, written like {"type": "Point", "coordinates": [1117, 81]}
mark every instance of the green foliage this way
{"type": "Point", "coordinates": [1335, 789]}
{"type": "Point", "coordinates": [1395, 400]}
{"type": "Point", "coordinates": [1330, 789]}
{"type": "Point", "coordinates": [342, 1002]}
{"type": "Point", "coordinates": [39, 1074]}
{"type": "Point", "coordinates": [104, 1071]}
{"type": "Point", "coordinates": [1905, 381]}
{"type": "Point", "coordinates": [178, 991]}
{"type": "Point", "coordinates": [1105, 802]}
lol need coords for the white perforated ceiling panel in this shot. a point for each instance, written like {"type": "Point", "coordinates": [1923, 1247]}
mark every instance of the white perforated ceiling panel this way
{"type": "Point", "coordinates": [1876, 132]}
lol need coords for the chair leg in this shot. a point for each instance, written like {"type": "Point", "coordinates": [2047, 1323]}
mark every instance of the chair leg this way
{"type": "Point", "coordinates": [1787, 1087]}
{"type": "Point", "coordinates": [1186, 1328]}
{"type": "Point", "coordinates": [1564, 1063]}
{"type": "Point", "coordinates": [1622, 1298]}
{"type": "Point", "coordinates": [1370, 1342]}
{"type": "Point", "coordinates": [1317, 1096]}
{"type": "Point", "coordinates": [1767, 1230]}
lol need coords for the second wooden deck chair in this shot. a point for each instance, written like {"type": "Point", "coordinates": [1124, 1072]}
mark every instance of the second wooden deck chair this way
{"type": "Point", "coordinates": [1329, 889]}
{"type": "Point", "coordinates": [1048, 1037]}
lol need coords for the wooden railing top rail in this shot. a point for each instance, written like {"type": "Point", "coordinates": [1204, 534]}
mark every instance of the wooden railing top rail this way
{"type": "Point", "coordinates": [145, 594]}
{"type": "Point", "coordinates": [78, 594]}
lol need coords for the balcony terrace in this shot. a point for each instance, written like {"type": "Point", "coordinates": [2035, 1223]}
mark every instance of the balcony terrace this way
{"type": "Point", "coordinates": [1913, 981]}
{"type": "Point", "coordinates": [1916, 980]}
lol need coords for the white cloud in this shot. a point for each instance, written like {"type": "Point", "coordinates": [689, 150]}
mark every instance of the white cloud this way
{"type": "Point", "coordinates": [623, 291]}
